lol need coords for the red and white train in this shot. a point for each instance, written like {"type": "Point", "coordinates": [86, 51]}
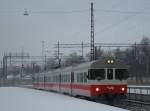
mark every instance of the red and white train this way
{"type": "Point", "coordinates": [101, 78]}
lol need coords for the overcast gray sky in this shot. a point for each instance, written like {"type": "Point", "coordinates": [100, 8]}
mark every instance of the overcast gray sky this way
{"type": "Point", "coordinates": [69, 22]}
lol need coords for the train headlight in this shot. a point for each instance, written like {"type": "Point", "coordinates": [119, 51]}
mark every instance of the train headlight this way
{"type": "Point", "coordinates": [108, 61]}
{"type": "Point", "coordinates": [112, 61]}
{"type": "Point", "coordinates": [122, 88]}
{"type": "Point", "coordinates": [97, 89]}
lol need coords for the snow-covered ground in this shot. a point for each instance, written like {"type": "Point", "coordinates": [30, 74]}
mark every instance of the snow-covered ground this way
{"type": "Point", "coordinates": [23, 99]}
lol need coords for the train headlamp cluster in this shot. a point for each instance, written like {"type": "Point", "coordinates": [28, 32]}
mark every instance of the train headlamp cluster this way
{"type": "Point", "coordinates": [110, 61]}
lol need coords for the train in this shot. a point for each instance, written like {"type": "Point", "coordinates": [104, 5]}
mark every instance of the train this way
{"type": "Point", "coordinates": [106, 77]}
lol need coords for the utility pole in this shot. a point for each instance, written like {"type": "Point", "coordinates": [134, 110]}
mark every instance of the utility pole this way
{"type": "Point", "coordinates": [43, 58]}
{"type": "Point", "coordinates": [82, 48]}
{"type": "Point", "coordinates": [135, 62]}
{"type": "Point", "coordinates": [4, 68]}
{"type": "Point", "coordinates": [92, 34]}
{"type": "Point", "coordinates": [42, 48]}
{"type": "Point", "coordinates": [22, 63]}
{"type": "Point", "coordinates": [58, 54]}
{"type": "Point", "coordinates": [147, 66]}
{"type": "Point", "coordinates": [135, 51]}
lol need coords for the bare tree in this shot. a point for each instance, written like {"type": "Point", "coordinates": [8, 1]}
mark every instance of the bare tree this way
{"type": "Point", "coordinates": [74, 59]}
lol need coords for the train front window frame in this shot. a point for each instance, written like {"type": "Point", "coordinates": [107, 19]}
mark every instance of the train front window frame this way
{"type": "Point", "coordinates": [96, 74]}
{"type": "Point", "coordinates": [110, 74]}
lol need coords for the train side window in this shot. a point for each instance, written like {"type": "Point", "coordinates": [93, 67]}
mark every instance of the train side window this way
{"type": "Point", "coordinates": [67, 78]}
{"type": "Point", "coordinates": [81, 77]}
{"type": "Point", "coordinates": [78, 78]}
{"type": "Point", "coordinates": [85, 77]}
{"type": "Point", "coordinates": [57, 78]}
{"type": "Point", "coordinates": [39, 79]}
{"type": "Point", "coordinates": [62, 78]}
{"type": "Point", "coordinates": [109, 74]}
{"type": "Point", "coordinates": [49, 79]}
{"type": "Point", "coordinates": [45, 79]}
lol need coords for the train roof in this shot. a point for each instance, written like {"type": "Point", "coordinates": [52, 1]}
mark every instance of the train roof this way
{"type": "Point", "coordinates": [108, 62]}
{"type": "Point", "coordinates": [102, 63]}
{"type": "Point", "coordinates": [97, 64]}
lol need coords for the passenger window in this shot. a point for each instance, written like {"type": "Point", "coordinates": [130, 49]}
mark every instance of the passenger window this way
{"type": "Point", "coordinates": [78, 79]}
{"type": "Point", "coordinates": [109, 74]}
{"type": "Point", "coordinates": [85, 77]}
{"type": "Point", "coordinates": [81, 77]}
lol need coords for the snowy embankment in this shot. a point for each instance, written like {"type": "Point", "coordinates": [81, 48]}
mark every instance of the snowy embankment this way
{"type": "Point", "coordinates": [22, 99]}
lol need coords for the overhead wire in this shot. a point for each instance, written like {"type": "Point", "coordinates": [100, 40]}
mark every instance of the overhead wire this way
{"type": "Point", "coordinates": [60, 12]}
{"type": "Point", "coordinates": [43, 12]}
{"type": "Point", "coordinates": [120, 12]}
{"type": "Point", "coordinates": [122, 21]}
{"type": "Point", "coordinates": [132, 14]}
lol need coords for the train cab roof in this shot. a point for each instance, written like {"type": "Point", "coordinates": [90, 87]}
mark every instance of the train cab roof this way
{"type": "Point", "coordinates": [105, 62]}
{"type": "Point", "coordinates": [108, 62]}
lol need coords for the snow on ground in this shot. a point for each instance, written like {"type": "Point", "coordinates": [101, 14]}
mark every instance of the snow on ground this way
{"type": "Point", "coordinates": [23, 99]}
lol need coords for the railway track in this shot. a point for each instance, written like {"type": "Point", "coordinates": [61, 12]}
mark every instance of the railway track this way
{"type": "Point", "coordinates": [133, 105]}
{"type": "Point", "coordinates": [138, 99]}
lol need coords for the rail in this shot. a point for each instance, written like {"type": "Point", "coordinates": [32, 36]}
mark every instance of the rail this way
{"type": "Point", "coordinates": [139, 93]}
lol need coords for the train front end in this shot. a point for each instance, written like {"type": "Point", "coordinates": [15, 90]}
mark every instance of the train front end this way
{"type": "Point", "coordinates": [108, 78]}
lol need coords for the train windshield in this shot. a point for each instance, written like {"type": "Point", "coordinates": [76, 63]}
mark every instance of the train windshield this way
{"type": "Point", "coordinates": [96, 74]}
{"type": "Point", "coordinates": [121, 74]}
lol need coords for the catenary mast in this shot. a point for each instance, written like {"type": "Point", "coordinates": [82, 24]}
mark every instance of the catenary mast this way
{"type": "Point", "coordinates": [92, 34]}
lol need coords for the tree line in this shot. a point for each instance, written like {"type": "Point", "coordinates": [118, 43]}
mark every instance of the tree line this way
{"type": "Point", "coordinates": [136, 56]}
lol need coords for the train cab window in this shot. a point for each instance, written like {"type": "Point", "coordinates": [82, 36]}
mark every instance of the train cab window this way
{"type": "Point", "coordinates": [96, 74]}
{"type": "Point", "coordinates": [109, 74]}
{"type": "Point", "coordinates": [121, 74]}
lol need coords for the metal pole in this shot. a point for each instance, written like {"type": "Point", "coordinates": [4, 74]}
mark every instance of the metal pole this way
{"type": "Point", "coordinates": [58, 54]}
{"type": "Point", "coordinates": [43, 59]}
{"type": "Point", "coordinates": [82, 48]}
{"type": "Point", "coordinates": [4, 69]}
{"type": "Point", "coordinates": [92, 34]}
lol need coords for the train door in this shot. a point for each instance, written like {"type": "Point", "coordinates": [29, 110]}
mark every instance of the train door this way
{"type": "Point", "coordinates": [72, 81]}
{"type": "Point", "coordinates": [44, 82]}
{"type": "Point", "coordinates": [60, 82]}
